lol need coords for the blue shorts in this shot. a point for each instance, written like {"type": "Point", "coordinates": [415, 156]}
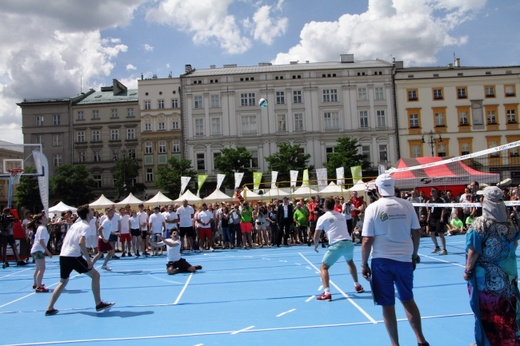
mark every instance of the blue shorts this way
{"type": "Point", "coordinates": [385, 274]}
{"type": "Point", "coordinates": [341, 248]}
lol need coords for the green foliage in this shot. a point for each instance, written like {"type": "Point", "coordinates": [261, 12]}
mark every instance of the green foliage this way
{"type": "Point", "coordinates": [169, 176]}
{"type": "Point", "coordinates": [289, 157]}
{"type": "Point", "coordinates": [346, 154]}
{"type": "Point", "coordinates": [234, 160]}
{"type": "Point", "coordinates": [72, 184]}
{"type": "Point", "coordinates": [125, 174]}
{"type": "Point", "coordinates": [27, 193]}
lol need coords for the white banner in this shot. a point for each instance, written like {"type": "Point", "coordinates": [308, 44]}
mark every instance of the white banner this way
{"type": "Point", "coordinates": [42, 167]}
{"type": "Point", "coordinates": [321, 174]}
{"type": "Point", "coordinates": [220, 180]}
{"type": "Point", "coordinates": [184, 184]}
{"type": "Point", "coordinates": [274, 177]}
{"type": "Point", "coordinates": [340, 176]}
{"type": "Point", "coordinates": [238, 179]}
{"type": "Point", "coordinates": [294, 177]}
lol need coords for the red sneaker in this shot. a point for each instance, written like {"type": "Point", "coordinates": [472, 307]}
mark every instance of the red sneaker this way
{"type": "Point", "coordinates": [325, 296]}
{"type": "Point", "coordinates": [359, 289]}
{"type": "Point", "coordinates": [41, 289]}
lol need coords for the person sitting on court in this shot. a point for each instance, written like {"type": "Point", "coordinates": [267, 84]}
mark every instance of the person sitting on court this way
{"type": "Point", "coordinates": [456, 225]}
{"type": "Point", "coordinates": [176, 264]}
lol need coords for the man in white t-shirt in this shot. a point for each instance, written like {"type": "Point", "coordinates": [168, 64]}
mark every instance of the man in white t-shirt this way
{"type": "Point", "coordinates": [176, 264]}
{"type": "Point", "coordinates": [124, 232]}
{"type": "Point", "coordinates": [104, 245]}
{"type": "Point", "coordinates": [157, 225]}
{"type": "Point", "coordinates": [334, 225]}
{"type": "Point", "coordinates": [172, 219]}
{"type": "Point", "coordinates": [142, 215]}
{"type": "Point", "coordinates": [74, 256]}
{"type": "Point", "coordinates": [186, 213]}
{"type": "Point", "coordinates": [391, 234]}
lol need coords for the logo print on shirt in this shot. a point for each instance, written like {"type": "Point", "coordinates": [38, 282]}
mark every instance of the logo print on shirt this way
{"type": "Point", "coordinates": [383, 216]}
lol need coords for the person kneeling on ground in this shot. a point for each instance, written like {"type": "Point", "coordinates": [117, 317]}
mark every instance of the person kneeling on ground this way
{"type": "Point", "coordinates": [176, 264]}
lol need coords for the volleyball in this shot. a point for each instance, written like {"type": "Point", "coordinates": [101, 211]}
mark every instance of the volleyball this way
{"type": "Point", "coordinates": [262, 103]}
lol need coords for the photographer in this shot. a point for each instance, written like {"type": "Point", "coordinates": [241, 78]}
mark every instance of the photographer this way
{"type": "Point", "coordinates": [7, 237]}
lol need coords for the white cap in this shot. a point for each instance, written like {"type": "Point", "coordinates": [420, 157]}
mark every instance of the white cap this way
{"type": "Point", "coordinates": [386, 185]}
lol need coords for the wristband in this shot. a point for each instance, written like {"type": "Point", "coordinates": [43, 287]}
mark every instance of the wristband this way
{"type": "Point", "coordinates": [364, 265]}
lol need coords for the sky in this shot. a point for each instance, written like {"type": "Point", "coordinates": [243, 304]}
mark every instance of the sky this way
{"type": "Point", "coordinates": [59, 48]}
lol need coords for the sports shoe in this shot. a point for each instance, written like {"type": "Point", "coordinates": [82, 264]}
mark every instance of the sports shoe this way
{"type": "Point", "coordinates": [325, 296]}
{"type": "Point", "coordinates": [21, 263]}
{"type": "Point", "coordinates": [124, 254]}
{"type": "Point", "coordinates": [35, 287]}
{"type": "Point", "coordinates": [107, 268]}
{"type": "Point", "coordinates": [198, 267]}
{"type": "Point", "coordinates": [359, 289]}
{"type": "Point", "coordinates": [5, 265]}
{"type": "Point", "coordinates": [443, 252]}
{"type": "Point", "coordinates": [103, 306]}
{"type": "Point", "coordinates": [41, 289]}
{"type": "Point", "coordinates": [437, 249]}
{"type": "Point", "coordinates": [51, 312]}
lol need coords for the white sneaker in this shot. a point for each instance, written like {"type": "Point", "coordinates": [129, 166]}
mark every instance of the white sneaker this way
{"type": "Point", "coordinates": [107, 268]}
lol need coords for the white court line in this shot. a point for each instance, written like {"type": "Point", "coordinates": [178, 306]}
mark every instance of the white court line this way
{"type": "Point", "coordinates": [183, 289]}
{"type": "Point", "coordinates": [360, 309]}
{"type": "Point", "coordinates": [285, 313]}
{"type": "Point", "coordinates": [442, 260]}
{"type": "Point", "coordinates": [242, 330]}
{"type": "Point", "coordinates": [309, 299]}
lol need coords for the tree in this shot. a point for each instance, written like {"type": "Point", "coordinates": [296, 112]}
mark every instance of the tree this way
{"type": "Point", "coordinates": [125, 174]}
{"type": "Point", "coordinates": [169, 175]}
{"type": "Point", "coordinates": [345, 154]}
{"type": "Point", "coordinates": [289, 157]}
{"type": "Point", "coordinates": [28, 192]}
{"type": "Point", "coordinates": [73, 184]}
{"type": "Point", "coordinates": [234, 160]}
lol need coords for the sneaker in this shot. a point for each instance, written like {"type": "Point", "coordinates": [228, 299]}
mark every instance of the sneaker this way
{"type": "Point", "coordinates": [21, 263]}
{"type": "Point", "coordinates": [5, 265]}
{"type": "Point", "coordinates": [103, 306]}
{"type": "Point", "coordinates": [35, 287]}
{"type": "Point", "coordinates": [211, 249]}
{"type": "Point", "coordinates": [107, 268]}
{"type": "Point", "coordinates": [51, 312]}
{"type": "Point", "coordinates": [437, 249]}
{"type": "Point", "coordinates": [124, 254]}
{"type": "Point", "coordinates": [325, 296]}
{"type": "Point", "coordinates": [359, 289]}
{"type": "Point", "coordinates": [443, 252]}
{"type": "Point", "coordinates": [41, 289]}
{"type": "Point", "coordinates": [115, 257]}
{"type": "Point", "coordinates": [198, 267]}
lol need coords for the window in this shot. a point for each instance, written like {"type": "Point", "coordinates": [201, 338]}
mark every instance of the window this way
{"type": "Point", "coordinates": [199, 127]}
{"type": "Point", "coordinates": [80, 115]}
{"type": "Point", "coordinates": [161, 126]}
{"type": "Point", "coordinates": [113, 113]}
{"type": "Point", "coordinates": [365, 150]}
{"type": "Point", "coordinates": [437, 94]}
{"type": "Point", "coordinates": [254, 159]}
{"type": "Point", "coordinates": [216, 129]}
{"type": "Point", "coordinates": [57, 160]}
{"type": "Point", "coordinates": [215, 101]}
{"type": "Point", "coordinates": [97, 181]}
{"type": "Point", "coordinates": [413, 95]}
{"type": "Point", "coordinates": [465, 148]}
{"type": "Point", "coordinates": [56, 120]}
{"type": "Point", "coordinates": [441, 150]}
{"type": "Point", "coordinates": [281, 123]}
{"type": "Point", "coordinates": [362, 94]}
{"type": "Point", "coordinates": [96, 154]}
{"type": "Point", "coordinates": [247, 99]}
{"type": "Point", "coordinates": [331, 120]}
{"type": "Point", "coordinates": [56, 140]}
{"type": "Point", "coordinates": [176, 146]}
{"type": "Point", "coordinates": [511, 116]}
{"type": "Point", "coordinates": [175, 103]}
{"type": "Point", "coordinates": [95, 114]}
{"type": "Point", "coordinates": [414, 120]}
{"type": "Point", "coordinates": [81, 156]}
{"type": "Point", "coordinates": [114, 134]}
{"type": "Point", "coordinates": [463, 118]}
{"type": "Point", "coordinates": [491, 116]}
{"type": "Point", "coordinates": [148, 126]}
{"type": "Point", "coordinates": [39, 120]}
{"type": "Point", "coordinates": [297, 96]}
{"type": "Point", "coordinates": [379, 93]}
{"type": "Point", "coordinates": [383, 153]}
{"type": "Point", "coordinates": [489, 90]}
{"type": "Point", "coordinates": [509, 90]}
{"type": "Point", "coordinates": [160, 104]}
{"type": "Point", "coordinates": [162, 147]}
{"type": "Point", "coordinates": [130, 112]}
{"type": "Point", "coordinates": [462, 92]}
{"type": "Point", "coordinates": [130, 134]}
{"type": "Point", "coordinates": [363, 119]}
{"type": "Point", "coordinates": [149, 175]}
{"type": "Point", "coordinates": [298, 122]}
{"type": "Point", "coordinates": [197, 102]}
{"type": "Point", "coordinates": [381, 118]}
{"type": "Point", "coordinates": [131, 153]}
{"type": "Point", "coordinates": [80, 136]}
{"type": "Point", "coordinates": [415, 150]}
{"type": "Point", "coordinates": [147, 104]}
{"type": "Point", "coordinates": [175, 125]}
{"type": "Point", "coordinates": [38, 139]}
{"type": "Point", "coordinates": [148, 148]}
{"type": "Point", "coordinates": [96, 136]}
{"type": "Point", "coordinates": [201, 162]}
{"type": "Point", "coordinates": [249, 124]}
{"type": "Point", "coordinates": [330, 95]}
{"type": "Point", "coordinates": [280, 97]}
{"type": "Point", "coordinates": [439, 119]}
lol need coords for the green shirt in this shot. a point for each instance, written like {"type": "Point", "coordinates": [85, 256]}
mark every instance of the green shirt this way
{"type": "Point", "coordinates": [247, 215]}
{"type": "Point", "coordinates": [300, 216]}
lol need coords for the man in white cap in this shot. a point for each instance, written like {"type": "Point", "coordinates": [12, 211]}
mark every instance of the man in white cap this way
{"type": "Point", "coordinates": [391, 234]}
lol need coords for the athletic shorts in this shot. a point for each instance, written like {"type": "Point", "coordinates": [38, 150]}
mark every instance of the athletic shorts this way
{"type": "Point", "coordinates": [246, 227]}
{"type": "Point", "coordinates": [181, 264]}
{"type": "Point", "coordinates": [38, 255]}
{"type": "Point", "coordinates": [104, 247]}
{"type": "Point", "coordinates": [112, 237]}
{"type": "Point", "coordinates": [7, 239]}
{"type": "Point", "coordinates": [385, 274]}
{"type": "Point", "coordinates": [187, 231]}
{"type": "Point", "coordinates": [342, 248]}
{"type": "Point", "coordinates": [435, 226]}
{"type": "Point", "coordinates": [205, 233]}
{"type": "Point", "coordinates": [135, 232]}
{"type": "Point", "coordinates": [125, 237]}
{"type": "Point", "coordinates": [68, 264]}
{"type": "Point", "coordinates": [144, 234]}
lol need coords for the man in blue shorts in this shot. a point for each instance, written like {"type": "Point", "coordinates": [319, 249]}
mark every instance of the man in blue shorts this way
{"type": "Point", "coordinates": [340, 245]}
{"type": "Point", "coordinates": [391, 234]}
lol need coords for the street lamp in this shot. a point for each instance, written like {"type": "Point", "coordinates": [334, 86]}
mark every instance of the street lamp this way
{"type": "Point", "coordinates": [431, 138]}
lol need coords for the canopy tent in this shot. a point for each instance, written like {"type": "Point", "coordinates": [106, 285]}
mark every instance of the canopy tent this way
{"type": "Point", "coordinates": [61, 208]}
{"type": "Point", "coordinates": [189, 196]}
{"type": "Point", "coordinates": [101, 202]}
{"type": "Point", "coordinates": [359, 187]}
{"type": "Point", "coordinates": [333, 190]}
{"type": "Point", "coordinates": [275, 193]}
{"type": "Point", "coordinates": [129, 200]}
{"type": "Point", "coordinates": [449, 174]}
{"type": "Point", "coordinates": [304, 191]}
{"type": "Point", "coordinates": [158, 199]}
{"type": "Point", "coordinates": [248, 194]}
{"type": "Point", "coordinates": [218, 196]}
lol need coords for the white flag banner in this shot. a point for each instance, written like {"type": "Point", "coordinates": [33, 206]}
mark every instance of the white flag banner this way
{"type": "Point", "coordinates": [294, 177]}
{"type": "Point", "coordinates": [321, 174]}
{"type": "Point", "coordinates": [340, 176]}
{"type": "Point", "coordinates": [274, 176]}
{"type": "Point", "coordinates": [238, 179]}
{"type": "Point", "coordinates": [184, 184]}
{"type": "Point", "coordinates": [220, 180]}
{"type": "Point", "coordinates": [381, 169]}
{"type": "Point", "coordinates": [42, 167]}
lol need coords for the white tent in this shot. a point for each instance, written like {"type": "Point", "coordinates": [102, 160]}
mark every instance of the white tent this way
{"type": "Point", "coordinates": [130, 200]}
{"type": "Point", "coordinates": [61, 208]}
{"type": "Point", "coordinates": [359, 186]}
{"type": "Point", "coordinates": [333, 190]}
{"type": "Point", "coordinates": [304, 191]}
{"type": "Point", "coordinates": [101, 202]}
{"type": "Point", "coordinates": [218, 196]}
{"type": "Point", "coordinates": [189, 196]}
{"type": "Point", "coordinates": [158, 199]}
{"type": "Point", "coordinates": [275, 193]}
{"type": "Point", "coordinates": [248, 194]}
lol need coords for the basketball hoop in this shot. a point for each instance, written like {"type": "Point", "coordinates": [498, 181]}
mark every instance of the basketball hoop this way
{"type": "Point", "coordinates": [16, 173]}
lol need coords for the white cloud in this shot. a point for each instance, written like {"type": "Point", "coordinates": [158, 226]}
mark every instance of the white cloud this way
{"type": "Point", "coordinates": [265, 28]}
{"type": "Point", "coordinates": [410, 30]}
{"type": "Point", "coordinates": [130, 67]}
{"type": "Point", "coordinates": [148, 48]}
